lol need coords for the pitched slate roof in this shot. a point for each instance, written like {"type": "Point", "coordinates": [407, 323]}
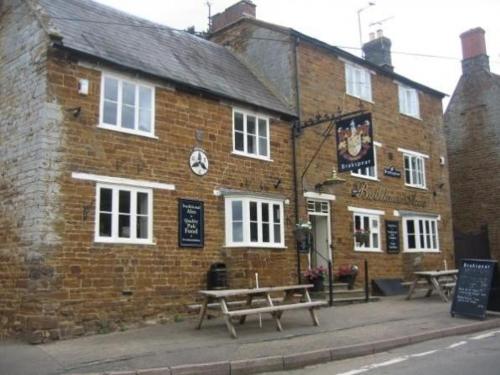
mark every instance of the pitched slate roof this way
{"type": "Point", "coordinates": [117, 37]}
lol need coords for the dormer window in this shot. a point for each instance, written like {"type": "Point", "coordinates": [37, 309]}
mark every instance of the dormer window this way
{"type": "Point", "coordinates": [358, 82]}
{"type": "Point", "coordinates": [127, 106]}
{"type": "Point", "coordinates": [408, 101]}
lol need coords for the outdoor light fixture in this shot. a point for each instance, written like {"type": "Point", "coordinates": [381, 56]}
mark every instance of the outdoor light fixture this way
{"type": "Point", "coordinates": [333, 180]}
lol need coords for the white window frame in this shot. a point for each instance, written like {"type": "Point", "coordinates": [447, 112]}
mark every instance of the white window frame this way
{"type": "Point", "coordinates": [419, 160]}
{"type": "Point", "coordinates": [371, 215]}
{"type": "Point", "coordinates": [433, 223]}
{"type": "Point", "coordinates": [361, 89]}
{"type": "Point", "coordinates": [364, 172]}
{"type": "Point", "coordinates": [246, 222]}
{"type": "Point", "coordinates": [245, 152]}
{"type": "Point", "coordinates": [118, 126]}
{"type": "Point", "coordinates": [409, 103]}
{"type": "Point", "coordinates": [114, 238]}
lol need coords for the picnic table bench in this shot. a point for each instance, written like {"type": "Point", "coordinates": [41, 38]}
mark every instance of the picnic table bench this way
{"type": "Point", "coordinates": [438, 281]}
{"type": "Point", "coordinates": [289, 302]}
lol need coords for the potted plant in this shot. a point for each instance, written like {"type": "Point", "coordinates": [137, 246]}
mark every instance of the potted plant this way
{"type": "Point", "coordinates": [316, 276]}
{"type": "Point", "coordinates": [362, 237]}
{"type": "Point", "coordinates": [347, 274]}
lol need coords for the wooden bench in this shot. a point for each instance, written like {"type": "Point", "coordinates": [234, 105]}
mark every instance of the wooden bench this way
{"type": "Point", "coordinates": [291, 292]}
{"type": "Point", "coordinates": [436, 282]}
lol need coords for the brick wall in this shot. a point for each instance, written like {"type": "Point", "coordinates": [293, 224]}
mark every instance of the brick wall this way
{"type": "Point", "coordinates": [322, 90]}
{"type": "Point", "coordinates": [473, 137]}
{"type": "Point", "coordinates": [100, 287]}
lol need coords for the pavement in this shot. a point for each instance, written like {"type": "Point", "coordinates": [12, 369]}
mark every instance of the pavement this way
{"type": "Point", "coordinates": [179, 349]}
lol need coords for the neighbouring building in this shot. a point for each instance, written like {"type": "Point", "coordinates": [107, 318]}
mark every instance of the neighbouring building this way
{"type": "Point", "coordinates": [472, 124]}
{"type": "Point", "coordinates": [403, 203]}
{"type": "Point", "coordinates": [111, 127]}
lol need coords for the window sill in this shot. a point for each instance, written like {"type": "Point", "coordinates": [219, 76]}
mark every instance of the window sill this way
{"type": "Point", "coordinates": [411, 116]}
{"type": "Point", "coordinates": [417, 187]}
{"type": "Point", "coordinates": [364, 250]}
{"type": "Point", "coordinates": [115, 241]}
{"type": "Point", "coordinates": [422, 251]}
{"type": "Point", "coordinates": [365, 177]}
{"type": "Point", "coordinates": [126, 131]}
{"type": "Point", "coordinates": [360, 98]}
{"type": "Point", "coordinates": [254, 246]}
{"type": "Point", "coordinates": [237, 153]}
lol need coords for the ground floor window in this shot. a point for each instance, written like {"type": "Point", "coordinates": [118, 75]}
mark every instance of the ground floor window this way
{"type": "Point", "coordinates": [366, 229]}
{"type": "Point", "coordinates": [420, 234]}
{"type": "Point", "coordinates": [124, 214]}
{"type": "Point", "coordinates": [254, 222]}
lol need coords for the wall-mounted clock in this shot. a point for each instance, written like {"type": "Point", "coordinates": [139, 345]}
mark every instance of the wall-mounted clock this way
{"type": "Point", "coordinates": [198, 162]}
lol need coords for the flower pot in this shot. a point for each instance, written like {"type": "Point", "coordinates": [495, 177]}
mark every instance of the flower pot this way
{"type": "Point", "coordinates": [318, 283]}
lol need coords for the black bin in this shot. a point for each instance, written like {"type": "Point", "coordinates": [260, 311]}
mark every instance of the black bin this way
{"type": "Point", "coordinates": [217, 276]}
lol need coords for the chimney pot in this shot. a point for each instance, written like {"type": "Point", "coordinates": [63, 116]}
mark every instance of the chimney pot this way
{"type": "Point", "coordinates": [380, 33]}
{"type": "Point", "coordinates": [372, 35]}
{"type": "Point", "coordinates": [243, 8]}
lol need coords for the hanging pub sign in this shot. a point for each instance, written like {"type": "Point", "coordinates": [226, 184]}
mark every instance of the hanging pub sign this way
{"type": "Point", "coordinates": [191, 223]}
{"type": "Point", "coordinates": [392, 236]}
{"type": "Point", "coordinates": [355, 143]}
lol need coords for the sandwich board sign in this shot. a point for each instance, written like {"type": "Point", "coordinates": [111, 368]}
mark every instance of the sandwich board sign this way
{"type": "Point", "coordinates": [476, 288]}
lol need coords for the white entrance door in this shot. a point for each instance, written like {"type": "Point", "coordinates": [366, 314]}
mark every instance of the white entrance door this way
{"type": "Point", "coordinates": [319, 216]}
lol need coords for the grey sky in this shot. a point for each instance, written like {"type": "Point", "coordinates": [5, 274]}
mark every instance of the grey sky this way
{"type": "Point", "coordinates": [429, 27]}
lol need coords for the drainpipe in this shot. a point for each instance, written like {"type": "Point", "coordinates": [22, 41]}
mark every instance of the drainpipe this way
{"type": "Point", "coordinates": [295, 130]}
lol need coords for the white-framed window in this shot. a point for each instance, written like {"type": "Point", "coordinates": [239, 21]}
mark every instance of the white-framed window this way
{"type": "Point", "coordinates": [414, 170]}
{"type": "Point", "coordinates": [369, 172]}
{"type": "Point", "coordinates": [124, 214]}
{"type": "Point", "coordinates": [127, 106]}
{"type": "Point", "coordinates": [366, 229]}
{"type": "Point", "coordinates": [358, 82]}
{"type": "Point", "coordinates": [408, 101]}
{"type": "Point", "coordinates": [251, 135]}
{"type": "Point", "coordinates": [420, 234]}
{"type": "Point", "coordinates": [254, 222]}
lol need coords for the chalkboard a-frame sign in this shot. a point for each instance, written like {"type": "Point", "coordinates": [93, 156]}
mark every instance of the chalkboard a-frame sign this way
{"type": "Point", "coordinates": [473, 287]}
{"type": "Point", "coordinates": [191, 223]}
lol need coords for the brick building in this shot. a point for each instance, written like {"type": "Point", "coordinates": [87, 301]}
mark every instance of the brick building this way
{"type": "Point", "coordinates": [106, 140]}
{"type": "Point", "coordinates": [316, 78]}
{"type": "Point", "coordinates": [473, 135]}
{"type": "Point", "coordinates": [97, 139]}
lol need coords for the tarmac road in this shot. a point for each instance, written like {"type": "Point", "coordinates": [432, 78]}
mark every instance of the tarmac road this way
{"type": "Point", "coordinates": [478, 353]}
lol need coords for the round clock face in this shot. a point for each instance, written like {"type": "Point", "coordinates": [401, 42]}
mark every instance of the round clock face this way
{"type": "Point", "coordinates": [198, 162]}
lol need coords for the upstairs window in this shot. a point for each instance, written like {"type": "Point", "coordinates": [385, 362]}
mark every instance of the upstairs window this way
{"type": "Point", "coordinates": [408, 101]}
{"type": "Point", "coordinates": [414, 171]}
{"type": "Point", "coordinates": [251, 135]}
{"type": "Point", "coordinates": [358, 82]}
{"type": "Point", "coordinates": [127, 106]}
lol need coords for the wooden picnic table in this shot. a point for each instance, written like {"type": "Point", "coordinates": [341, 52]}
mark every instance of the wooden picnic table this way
{"type": "Point", "coordinates": [289, 302]}
{"type": "Point", "coordinates": [434, 281]}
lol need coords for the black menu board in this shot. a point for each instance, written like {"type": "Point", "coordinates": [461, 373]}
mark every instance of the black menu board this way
{"type": "Point", "coordinates": [191, 223]}
{"type": "Point", "coordinates": [472, 291]}
{"type": "Point", "coordinates": [392, 236]}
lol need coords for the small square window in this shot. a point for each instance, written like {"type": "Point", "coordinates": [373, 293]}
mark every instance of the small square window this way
{"type": "Point", "coordinates": [251, 135]}
{"type": "Point", "coordinates": [358, 82]}
{"type": "Point", "coordinates": [408, 101]}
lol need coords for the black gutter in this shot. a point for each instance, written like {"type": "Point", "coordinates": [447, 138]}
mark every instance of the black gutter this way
{"type": "Point", "coordinates": [295, 130]}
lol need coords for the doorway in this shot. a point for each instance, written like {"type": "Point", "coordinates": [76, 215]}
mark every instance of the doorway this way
{"type": "Point", "coordinates": [319, 216]}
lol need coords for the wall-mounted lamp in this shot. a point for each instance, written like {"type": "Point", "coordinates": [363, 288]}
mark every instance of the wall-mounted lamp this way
{"type": "Point", "coordinates": [333, 180]}
{"type": "Point", "coordinates": [74, 111]}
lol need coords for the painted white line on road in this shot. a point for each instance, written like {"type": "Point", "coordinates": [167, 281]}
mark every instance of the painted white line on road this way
{"type": "Point", "coordinates": [354, 372]}
{"type": "Point", "coordinates": [390, 362]}
{"type": "Point", "coordinates": [485, 335]}
{"type": "Point", "coordinates": [423, 354]}
{"type": "Point", "coordinates": [457, 344]}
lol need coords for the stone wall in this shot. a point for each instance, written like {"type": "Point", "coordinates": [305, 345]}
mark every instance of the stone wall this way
{"type": "Point", "coordinates": [29, 166]}
{"type": "Point", "coordinates": [102, 287]}
{"type": "Point", "coordinates": [473, 136]}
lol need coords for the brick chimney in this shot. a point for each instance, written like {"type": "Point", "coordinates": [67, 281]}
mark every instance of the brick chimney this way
{"type": "Point", "coordinates": [474, 51]}
{"type": "Point", "coordinates": [378, 50]}
{"type": "Point", "coordinates": [243, 8]}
